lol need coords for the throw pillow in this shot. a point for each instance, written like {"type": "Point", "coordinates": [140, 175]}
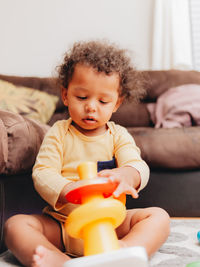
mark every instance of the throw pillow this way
{"type": "Point", "coordinates": [20, 140]}
{"type": "Point", "coordinates": [26, 101]}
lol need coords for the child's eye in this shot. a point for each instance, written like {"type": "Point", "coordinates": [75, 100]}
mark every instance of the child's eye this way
{"type": "Point", "coordinates": [103, 102]}
{"type": "Point", "coordinates": [82, 97]}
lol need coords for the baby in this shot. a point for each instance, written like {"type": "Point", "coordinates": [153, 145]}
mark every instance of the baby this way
{"type": "Point", "coordinates": [95, 78]}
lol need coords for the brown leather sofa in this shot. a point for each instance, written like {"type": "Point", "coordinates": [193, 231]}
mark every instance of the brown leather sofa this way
{"type": "Point", "coordinates": [172, 154]}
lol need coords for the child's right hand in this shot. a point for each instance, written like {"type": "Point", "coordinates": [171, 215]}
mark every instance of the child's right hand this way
{"type": "Point", "coordinates": [127, 177]}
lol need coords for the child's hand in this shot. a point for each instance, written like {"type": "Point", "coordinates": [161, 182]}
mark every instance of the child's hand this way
{"type": "Point", "coordinates": [128, 178]}
{"type": "Point", "coordinates": [65, 190]}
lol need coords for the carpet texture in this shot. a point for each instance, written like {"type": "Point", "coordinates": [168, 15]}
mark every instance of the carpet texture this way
{"type": "Point", "coordinates": [180, 249]}
{"type": "Point", "coordinates": [182, 246]}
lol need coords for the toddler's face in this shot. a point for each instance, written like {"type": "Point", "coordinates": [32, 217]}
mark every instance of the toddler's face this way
{"type": "Point", "coordinates": [91, 98]}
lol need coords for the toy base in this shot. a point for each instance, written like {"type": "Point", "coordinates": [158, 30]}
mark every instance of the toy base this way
{"type": "Point", "coordinates": [132, 256]}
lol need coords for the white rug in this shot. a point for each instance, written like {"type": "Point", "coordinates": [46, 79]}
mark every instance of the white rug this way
{"type": "Point", "coordinates": [181, 248]}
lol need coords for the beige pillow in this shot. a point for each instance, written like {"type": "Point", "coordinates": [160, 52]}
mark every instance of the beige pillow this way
{"type": "Point", "coordinates": [26, 101]}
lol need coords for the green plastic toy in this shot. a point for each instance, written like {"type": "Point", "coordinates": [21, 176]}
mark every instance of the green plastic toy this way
{"type": "Point", "coordinates": [193, 264]}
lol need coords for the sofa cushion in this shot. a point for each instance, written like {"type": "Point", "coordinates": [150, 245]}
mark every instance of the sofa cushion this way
{"type": "Point", "coordinates": [159, 81]}
{"type": "Point", "coordinates": [132, 114]}
{"type": "Point", "coordinates": [20, 141]}
{"type": "Point", "coordinates": [173, 148]}
{"type": "Point", "coordinates": [26, 101]}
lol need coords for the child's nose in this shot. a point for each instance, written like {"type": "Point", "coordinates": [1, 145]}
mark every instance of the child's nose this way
{"type": "Point", "coordinates": [90, 106]}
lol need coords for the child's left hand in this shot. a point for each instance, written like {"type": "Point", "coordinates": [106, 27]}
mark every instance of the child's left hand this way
{"type": "Point", "coordinates": [128, 178]}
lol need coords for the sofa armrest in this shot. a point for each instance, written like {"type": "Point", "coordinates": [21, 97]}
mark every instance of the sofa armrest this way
{"type": "Point", "coordinates": [20, 141]}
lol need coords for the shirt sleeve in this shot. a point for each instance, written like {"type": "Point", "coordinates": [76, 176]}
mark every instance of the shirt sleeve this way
{"type": "Point", "coordinates": [47, 171]}
{"type": "Point", "coordinates": [128, 154]}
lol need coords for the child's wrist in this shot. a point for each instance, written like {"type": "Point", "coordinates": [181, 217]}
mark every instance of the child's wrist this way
{"type": "Point", "coordinates": [135, 178]}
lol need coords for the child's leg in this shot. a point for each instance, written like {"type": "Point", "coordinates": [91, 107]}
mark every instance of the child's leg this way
{"type": "Point", "coordinates": [148, 227]}
{"type": "Point", "coordinates": [23, 235]}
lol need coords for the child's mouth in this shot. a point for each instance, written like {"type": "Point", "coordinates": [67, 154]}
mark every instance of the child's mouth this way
{"type": "Point", "coordinates": [89, 120]}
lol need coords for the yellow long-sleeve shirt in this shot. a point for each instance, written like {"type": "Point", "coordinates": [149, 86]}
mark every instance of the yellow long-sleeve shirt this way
{"type": "Point", "coordinates": [64, 148]}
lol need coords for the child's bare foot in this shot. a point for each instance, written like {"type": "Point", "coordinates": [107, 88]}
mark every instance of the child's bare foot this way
{"type": "Point", "coordinates": [44, 257]}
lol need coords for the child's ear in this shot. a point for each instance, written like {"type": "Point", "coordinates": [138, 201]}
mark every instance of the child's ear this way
{"type": "Point", "coordinates": [64, 96]}
{"type": "Point", "coordinates": [118, 104]}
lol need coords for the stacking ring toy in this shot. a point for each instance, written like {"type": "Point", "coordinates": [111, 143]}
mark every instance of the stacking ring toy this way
{"type": "Point", "coordinates": [99, 214]}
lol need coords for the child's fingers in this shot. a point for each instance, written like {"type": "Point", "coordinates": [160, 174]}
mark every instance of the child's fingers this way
{"type": "Point", "coordinates": [123, 188]}
{"type": "Point", "coordinates": [105, 173]}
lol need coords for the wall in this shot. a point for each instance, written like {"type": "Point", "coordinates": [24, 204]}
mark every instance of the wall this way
{"type": "Point", "coordinates": [34, 34]}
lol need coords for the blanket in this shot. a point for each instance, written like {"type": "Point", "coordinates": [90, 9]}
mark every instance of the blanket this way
{"type": "Point", "coordinates": [177, 107]}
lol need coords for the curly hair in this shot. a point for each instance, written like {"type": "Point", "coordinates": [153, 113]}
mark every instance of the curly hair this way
{"type": "Point", "coordinates": [107, 58]}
